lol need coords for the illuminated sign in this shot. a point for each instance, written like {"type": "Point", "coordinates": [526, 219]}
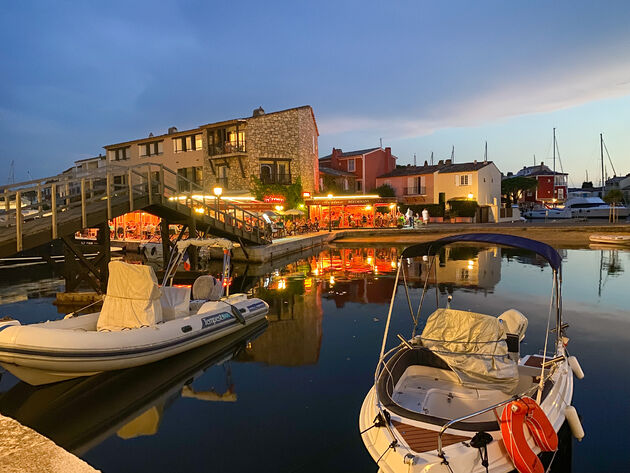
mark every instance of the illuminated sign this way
{"type": "Point", "coordinates": [274, 199]}
{"type": "Point", "coordinates": [306, 194]}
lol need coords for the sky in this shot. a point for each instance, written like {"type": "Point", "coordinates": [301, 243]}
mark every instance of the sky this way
{"type": "Point", "coordinates": [422, 76]}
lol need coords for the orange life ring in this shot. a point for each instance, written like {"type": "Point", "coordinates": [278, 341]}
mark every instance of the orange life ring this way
{"type": "Point", "coordinates": [514, 416]}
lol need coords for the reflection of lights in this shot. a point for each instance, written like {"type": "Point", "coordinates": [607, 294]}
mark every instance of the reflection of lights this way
{"type": "Point", "coordinates": [308, 283]}
{"type": "Point", "coordinates": [282, 284]}
{"type": "Point", "coordinates": [471, 264]}
{"type": "Point", "coordinates": [393, 264]}
{"type": "Point", "coordinates": [316, 272]}
{"type": "Point", "coordinates": [369, 260]}
{"type": "Point", "coordinates": [330, 196]}
{"type": "Point", "coordinates": [375, 270]}
{"type": "Point", "coordinates": [332, 280]}
{"type": "Point", "coordinates": [391, 206]}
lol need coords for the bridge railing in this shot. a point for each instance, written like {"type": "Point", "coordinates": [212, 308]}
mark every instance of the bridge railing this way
{"type": "Point", "coordinates": [81, 192]}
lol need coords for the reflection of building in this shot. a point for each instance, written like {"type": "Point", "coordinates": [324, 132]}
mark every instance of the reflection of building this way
{"type": "Point", "coordinates": [294, 335]}
{"type": "Point", "coordinates": [462, 267]}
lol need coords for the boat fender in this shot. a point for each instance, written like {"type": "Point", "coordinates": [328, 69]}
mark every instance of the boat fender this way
{"type": "Point", "coordinates": [516, 415]}
{"type": "Point", "coordinates": [575, 366]}
{"type": "Point", "coordinates": [574, 422]}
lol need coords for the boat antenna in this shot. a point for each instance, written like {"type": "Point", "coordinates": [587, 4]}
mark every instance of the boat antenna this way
{"type": "Point", "coordinates": [414, 159]}
{"type": "Point", "coordinates": [453, 155]}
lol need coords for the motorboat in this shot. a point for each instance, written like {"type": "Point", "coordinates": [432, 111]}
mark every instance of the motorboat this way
{"type": "Point", "coordinates": [139, 323]}
{"type": "Point", "coordinates": [548, 213]}
{"type": "Point", "coordinates": [617, 240]}
{"type": "Point", "coordinates": [594, 207]}
{"type": "Point", "coordinates": [128, 403]}
{"type": "Point", "coordinates": [460, 396]}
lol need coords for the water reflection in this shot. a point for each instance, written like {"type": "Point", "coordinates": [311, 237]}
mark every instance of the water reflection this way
{"type": "Point", "coordinates": [80, 413]}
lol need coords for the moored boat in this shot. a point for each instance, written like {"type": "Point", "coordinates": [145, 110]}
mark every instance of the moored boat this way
{"type": "Point", "coordinates": [623, 240]}
{"type": "Point", "coordinates": [139, 323]}
{"type": "Point", "coordinates": [460, 396]}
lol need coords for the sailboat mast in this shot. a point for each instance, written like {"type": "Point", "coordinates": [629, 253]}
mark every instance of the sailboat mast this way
{"type": "Point", "coordinates": [553, 192]}
{"type": "Point", "coordinates": [485, 154]}
{"type": "Point", "coordinates": [601, 151]}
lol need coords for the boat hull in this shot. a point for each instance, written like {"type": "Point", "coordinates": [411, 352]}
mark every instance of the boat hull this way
{"type": "Point", "coordinates": [65, 349]}
{"type": "Point", "coordinates": [460, 455]}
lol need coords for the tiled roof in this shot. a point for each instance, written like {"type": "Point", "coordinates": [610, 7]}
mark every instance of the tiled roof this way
{"type": "Point", "coordinates": [347, 154]}
{"type": "Point", "coordinates": [410, 171]}
{"type": "Point", "coordinates": [464, 167]}
{"type": "Point", "coordinates": [543, 172]}
{"type": "Point", "coordinates": [335, 172]}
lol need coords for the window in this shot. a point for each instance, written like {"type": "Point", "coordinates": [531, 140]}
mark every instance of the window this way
{"type": "Point", "coordinates": [359, 185]}
{"type": "Point", "coordinates": [463, 179]}
{"type": "Point", "coordinates": [187, 143]}
{"type": "Point", "coordinates": [560, 193]}
{"type": "Point", "coordinates": [350, 165]}
{"type": "Point", "coordinates": [119, 154]}
{"type": "Point", "coordinates": [189, 179]}
{"type": "Point", "coordinates": [151, 149]}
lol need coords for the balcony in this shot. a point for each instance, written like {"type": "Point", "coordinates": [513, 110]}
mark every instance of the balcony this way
{"type": "Point", "coordinates": [414, 191]}
{"type": "Point", "coordinates": [229, 147]}
{"type": "Point", "coordinates": [284, 179]}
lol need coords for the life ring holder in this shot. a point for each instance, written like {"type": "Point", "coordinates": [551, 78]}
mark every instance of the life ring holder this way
{"type": "Point", "coordinates": [516, 415]}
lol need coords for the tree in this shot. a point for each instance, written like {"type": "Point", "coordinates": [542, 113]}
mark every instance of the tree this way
{"type": "Point", "coordinates": [614, 196]}
{"type": "Point", "coordinates": [385, 190]}
{"type": "Point", "coordinates": [513, 188]}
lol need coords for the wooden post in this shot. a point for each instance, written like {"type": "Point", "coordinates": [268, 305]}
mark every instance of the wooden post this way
{"type": "Point", "coordinates": [149, 184]}
{"type": "Point", "coordinates": [109, 196]}
{"type": "Point", "coordinates": [18, 219]}
{"type": "Point", "coordinates": [83, 212]}
{"type": "Point", "coordinates": [166, 248]}
{"type": "Point", "coordinates": [40, 209]}
{"type": "Point", "coordinates": [130, 186]}
{"type": "Point", "coordinates": [162, 183]}
{"type": "Point", "coordinates": [53, 204]}
{"type": "Point", "coordinates": [67, 194]}
{"type": "Point", "coordinates": [7, 207]}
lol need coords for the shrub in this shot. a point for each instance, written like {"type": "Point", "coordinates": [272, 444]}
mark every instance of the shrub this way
{"type": "Point", "coordinates": [385, 190]}
{"type": "Point", "coordinates": [463, 208]}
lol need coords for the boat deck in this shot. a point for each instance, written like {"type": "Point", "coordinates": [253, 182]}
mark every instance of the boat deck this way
{"type": "Point", "coordinates": [423, 440]}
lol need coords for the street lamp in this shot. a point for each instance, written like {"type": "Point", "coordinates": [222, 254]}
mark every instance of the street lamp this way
{"type": "Point", "coordinates": [330, 196]}
{"type": "Point", "coordinates": [217, 192]}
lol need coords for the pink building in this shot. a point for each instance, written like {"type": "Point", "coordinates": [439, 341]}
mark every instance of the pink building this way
{"type": "Point", "coordinates": [365, 164]}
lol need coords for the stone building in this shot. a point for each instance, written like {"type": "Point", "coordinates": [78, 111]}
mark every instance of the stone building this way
{"type": "Point", "coordinates": [275, 147]}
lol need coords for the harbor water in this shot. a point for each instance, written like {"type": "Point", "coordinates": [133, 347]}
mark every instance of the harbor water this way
{"type": "Point", "coordinates": [285, 397]}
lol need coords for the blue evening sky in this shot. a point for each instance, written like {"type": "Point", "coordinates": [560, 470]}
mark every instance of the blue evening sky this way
{"type": "Point", "coordinates": [423, 76]}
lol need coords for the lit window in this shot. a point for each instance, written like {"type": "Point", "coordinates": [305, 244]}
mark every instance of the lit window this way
{"type": "Point", "coordinates": [119, 154]}
{"type": "Point", "coordinates": [150, 149]}
{"type": "Point", "coordinates": [198, 141]}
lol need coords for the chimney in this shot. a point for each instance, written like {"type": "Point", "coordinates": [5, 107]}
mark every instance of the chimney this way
{"type": "Point", "coordinates": [542, 163]}
{"type": "Point", "coordinates": [448, 162]}
{"type": "Point", "coordinates": [151, 135]}
{"type": "Point", "coordinates": [334, 158]}
{"type": "Point", "coordinates": [258, 112]}
{"type": "Point", "coordinates": [425, 163]}
{"type": "Point", "coordinates": [172, 130]}
{"type": "Point", "coordinates": [441, 162]}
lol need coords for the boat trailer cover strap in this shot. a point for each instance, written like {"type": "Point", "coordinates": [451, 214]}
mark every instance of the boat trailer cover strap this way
{"type": "Point", "coordinates": [431, 247]}
{"type": "Point", "coordinates": [474, 346]}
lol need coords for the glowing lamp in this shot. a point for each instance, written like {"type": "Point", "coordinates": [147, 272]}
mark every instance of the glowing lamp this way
{"type": "Point", "coordinates": [218, 191]}
{"type": "Point", "coordinates": [470, 196]}
{"type": "Point", "coordinates": [330, 196]}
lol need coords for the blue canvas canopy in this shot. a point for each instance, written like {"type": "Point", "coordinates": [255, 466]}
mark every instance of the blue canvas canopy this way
{"type": "Point", "coordinates": [431, 247]}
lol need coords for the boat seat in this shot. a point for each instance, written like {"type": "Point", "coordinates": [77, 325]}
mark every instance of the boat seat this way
{"type": "Point", "coordinates": [175, 302]}
{"type": "Point", "coordinates": [207, 288]}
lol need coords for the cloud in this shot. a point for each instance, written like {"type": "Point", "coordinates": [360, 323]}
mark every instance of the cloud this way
{"type": "Point", "coordinates": [541, 92]}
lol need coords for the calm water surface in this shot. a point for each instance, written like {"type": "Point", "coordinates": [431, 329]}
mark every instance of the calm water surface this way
{"type": "Point", "coordinates": [286, 397]}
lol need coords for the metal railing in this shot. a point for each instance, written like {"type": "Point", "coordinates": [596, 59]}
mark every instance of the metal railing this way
{"type": "Point", "coordinates": [276, 179]}
{"type": "Point", "coordinates": [228, 147]}
{"type": "Point", "coordinates": [79, 193]}
{"type": "Point", "coordinates": [415, 190]}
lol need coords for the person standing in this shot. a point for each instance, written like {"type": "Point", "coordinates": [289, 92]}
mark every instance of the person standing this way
{"type": "Point", "coordinates": [425, 217]}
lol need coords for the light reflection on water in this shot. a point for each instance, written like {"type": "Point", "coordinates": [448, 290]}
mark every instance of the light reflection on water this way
{"type": "Point", "coordinates": [290, 400]}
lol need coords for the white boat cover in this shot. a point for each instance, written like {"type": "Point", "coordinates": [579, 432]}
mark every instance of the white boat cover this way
{"type": "Point", "coordinates": [175, 302]}
{"type": "Point", "coordinates": [133, 298]}
{"type": "Point", "coordinates": [220, 242]}
{"type": "Point", "coordinates": [474, 346]}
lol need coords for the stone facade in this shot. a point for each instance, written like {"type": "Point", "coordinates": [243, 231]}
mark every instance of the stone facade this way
{"type": "Point", "coordinates": [283, 143]}
{"type": "Point", "coordinates": [280, 146]}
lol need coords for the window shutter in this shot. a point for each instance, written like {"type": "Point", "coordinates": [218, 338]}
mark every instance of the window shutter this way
{"type": "Point", "coordinates": [470, 179]}
{"type": "Point", "coordinates": [457, 179]}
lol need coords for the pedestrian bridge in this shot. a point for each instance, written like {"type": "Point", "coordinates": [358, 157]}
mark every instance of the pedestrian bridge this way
{"type": "Point", "coordinates": [36, 212]}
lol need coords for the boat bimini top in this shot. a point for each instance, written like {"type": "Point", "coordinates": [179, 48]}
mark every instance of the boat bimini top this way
{"type": "Point", "coordinates": [476, 347]}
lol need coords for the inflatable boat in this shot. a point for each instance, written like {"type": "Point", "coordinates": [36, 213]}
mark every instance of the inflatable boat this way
{"type": "Point", "coordinates": [139, 323]}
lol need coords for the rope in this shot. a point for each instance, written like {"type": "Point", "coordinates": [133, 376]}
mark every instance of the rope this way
{"type": "Point", "coordinates": [542, 369]}
{"type": "Point", "coordinates": [551, 462]}
{"type": "Point", "coordinates": [391, 445]}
